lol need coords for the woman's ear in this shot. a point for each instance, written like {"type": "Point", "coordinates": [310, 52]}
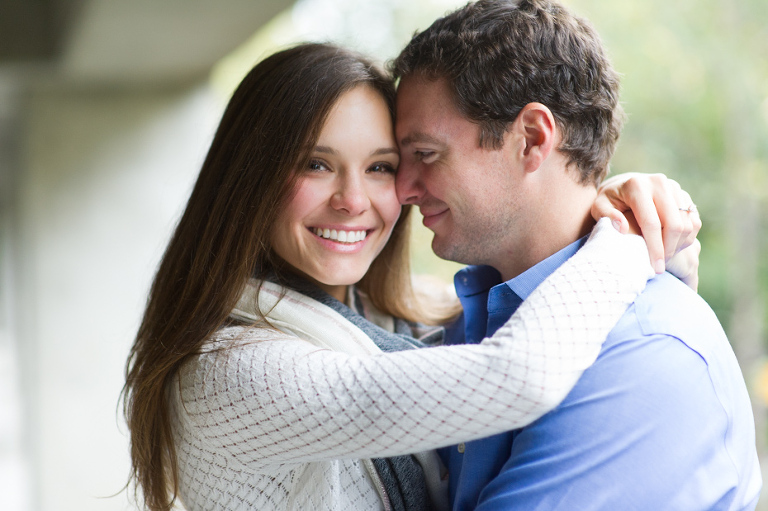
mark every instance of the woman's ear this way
{"type": "Point", "coordinates": [535, 125]}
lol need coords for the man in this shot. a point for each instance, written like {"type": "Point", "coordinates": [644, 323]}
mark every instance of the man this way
{"type": "Point", "coordinates": [507, 117]}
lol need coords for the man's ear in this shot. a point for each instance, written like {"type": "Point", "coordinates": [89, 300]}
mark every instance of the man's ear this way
{"type": "Point", "coordinates": [535, 125]}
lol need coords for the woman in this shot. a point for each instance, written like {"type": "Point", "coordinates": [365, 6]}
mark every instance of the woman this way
{"type": "Point", "coordinates": [254, 383]}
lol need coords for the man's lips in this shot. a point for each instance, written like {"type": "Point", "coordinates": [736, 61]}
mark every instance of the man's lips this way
{"type": "Point", "coordinates": [432, 217]}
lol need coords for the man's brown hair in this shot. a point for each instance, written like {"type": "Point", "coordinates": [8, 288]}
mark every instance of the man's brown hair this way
{"type": "Point", "coordinates": [500, 55]}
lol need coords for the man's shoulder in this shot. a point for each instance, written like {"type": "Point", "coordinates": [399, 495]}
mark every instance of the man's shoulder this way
{"type": "Point", "coordinates": [671, 350]}
{"type": "Point", "coordinates": [669, 308]}
{"type": "Point", "coordinates": [668, 380]}
{"type": "Point", "coordinates": [665, 348]}
{"type": "Point", "coordinates": [662, 413]}
{"type": "Point", "coordinates": [667, 305]}
{"type": "Point", "coordinates": [673, 330]}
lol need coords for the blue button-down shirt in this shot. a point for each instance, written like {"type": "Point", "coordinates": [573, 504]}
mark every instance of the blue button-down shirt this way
{"type": "Point", "coordinates": [488, 303]}
{"type": "Point", "coordinates": [662, 420]}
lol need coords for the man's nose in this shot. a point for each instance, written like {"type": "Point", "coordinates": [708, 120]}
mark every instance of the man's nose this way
{"type": "Point", "coordinates": [408, 184]}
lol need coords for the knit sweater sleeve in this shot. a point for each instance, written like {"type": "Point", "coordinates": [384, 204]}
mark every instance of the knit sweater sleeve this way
{"type": "Point", "coordinates": [270, 399]}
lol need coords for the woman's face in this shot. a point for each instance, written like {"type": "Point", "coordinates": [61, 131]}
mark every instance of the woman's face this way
{"type": "Point", "coordinates": [345, 204]}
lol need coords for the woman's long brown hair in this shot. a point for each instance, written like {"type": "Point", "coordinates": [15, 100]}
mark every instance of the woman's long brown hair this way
{"type": "Point", "coordinates": [267, 132]}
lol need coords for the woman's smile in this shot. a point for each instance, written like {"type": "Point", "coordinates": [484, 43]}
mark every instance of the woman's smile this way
{"type": "Point", "coordinates": [344, 206]}
{"type": "Point", "coordinates": [340, 241]}
{"type": "Point", "coordinates": [341, 235]}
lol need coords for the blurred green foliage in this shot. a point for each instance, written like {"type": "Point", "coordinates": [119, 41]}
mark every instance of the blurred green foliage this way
{"type": "Point", "coordinates": [695, 88]}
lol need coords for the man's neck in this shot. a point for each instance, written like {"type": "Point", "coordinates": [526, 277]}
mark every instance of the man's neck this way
{"type": "Point", "coordinates": [562, 216]}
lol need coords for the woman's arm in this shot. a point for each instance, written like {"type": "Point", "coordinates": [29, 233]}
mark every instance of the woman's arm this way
{"type": "Point", "coordinates": [284, 401]}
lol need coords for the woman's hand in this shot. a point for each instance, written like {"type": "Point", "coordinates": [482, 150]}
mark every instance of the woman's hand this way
{"type": "Point", "coordinates": [685, 265]}
{"type": "Point", "coordinates": [662, 212]}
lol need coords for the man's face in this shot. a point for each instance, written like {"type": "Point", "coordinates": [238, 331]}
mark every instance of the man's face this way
{"type": "Point", "coordinates": [469, 196]}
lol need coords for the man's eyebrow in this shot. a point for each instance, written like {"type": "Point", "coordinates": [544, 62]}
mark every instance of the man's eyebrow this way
{"type": "Point", "coordinates": [419, 136]}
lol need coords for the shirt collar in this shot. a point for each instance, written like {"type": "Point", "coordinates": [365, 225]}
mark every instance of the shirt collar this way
{"type": "Point", "coordinates": [473, 280]}
{"type": "Point", "coordinates": [524, 284]}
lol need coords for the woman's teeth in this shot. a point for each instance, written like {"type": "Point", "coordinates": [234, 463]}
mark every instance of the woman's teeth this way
{"type": "Point", "coordinates": [341, 236]}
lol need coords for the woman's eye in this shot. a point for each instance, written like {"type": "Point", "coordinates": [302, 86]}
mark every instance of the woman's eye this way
{"type": "Point", "coordinates": [317, 166]}
{"type": "Point", "coordinates": [382, 167]}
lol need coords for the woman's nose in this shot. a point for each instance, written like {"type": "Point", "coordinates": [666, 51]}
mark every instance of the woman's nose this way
{"type": "Point", "coordinates": [351, 197]}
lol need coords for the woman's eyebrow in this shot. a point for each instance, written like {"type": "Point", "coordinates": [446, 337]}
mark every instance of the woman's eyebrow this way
{"type": "Point", "coordinates": [325, 149]}
{"type": "Point", "coordinates": [330, 150]}
{"type": "Point", "coordinates": [385, 150]}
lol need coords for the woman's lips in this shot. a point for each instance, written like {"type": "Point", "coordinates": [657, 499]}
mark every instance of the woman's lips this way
{"type": "Point", "coordinates": [345, 241]}
{"type": "Point", "coordinates": [340, 235]}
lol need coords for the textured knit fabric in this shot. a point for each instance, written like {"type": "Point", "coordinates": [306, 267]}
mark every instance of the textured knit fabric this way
{"type": "Point", "coordinates": [287, 418]}
{"type": "Point", "coordinates": [401, 476]}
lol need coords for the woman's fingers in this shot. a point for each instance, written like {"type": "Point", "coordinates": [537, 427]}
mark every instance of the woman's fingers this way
{"type": "Point", "coordinates": [662, 209]}
{"type": "Point", "coordinates": [685, 265]}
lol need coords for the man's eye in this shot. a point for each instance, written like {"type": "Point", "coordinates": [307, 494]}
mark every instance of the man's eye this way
{"type": "Point", "coordinates": [424, 155]}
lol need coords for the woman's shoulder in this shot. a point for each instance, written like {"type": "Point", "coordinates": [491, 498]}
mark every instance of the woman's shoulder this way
{"type": "Point", "coordinates": [243, 349]}
{"type": "Point", "coordinates": [235, 337]}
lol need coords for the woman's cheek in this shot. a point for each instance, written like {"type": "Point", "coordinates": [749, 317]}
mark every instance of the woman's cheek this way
{"type": "Point", "coordinates": [391, 207]}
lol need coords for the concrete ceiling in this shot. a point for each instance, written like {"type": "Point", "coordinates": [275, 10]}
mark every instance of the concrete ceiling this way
{"type": "Point", "coordinates": [34, 30]}
{"type": "Point", "coordinates": [127, 42]}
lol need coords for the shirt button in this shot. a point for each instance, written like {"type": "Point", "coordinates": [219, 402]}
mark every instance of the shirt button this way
{"type": "Point", "coordinates": [461, 448]}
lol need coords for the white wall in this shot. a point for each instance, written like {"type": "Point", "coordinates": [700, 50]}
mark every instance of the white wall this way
{"type": "Point", "coordinates": [105, 176]}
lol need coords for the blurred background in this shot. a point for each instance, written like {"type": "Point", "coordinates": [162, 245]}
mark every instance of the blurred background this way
{"type": "Point", "coordinates": [106, 111]}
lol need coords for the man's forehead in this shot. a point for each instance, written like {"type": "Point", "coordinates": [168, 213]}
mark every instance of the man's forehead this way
{"type": "Point", "coordinates": [420, 104]}
{"type": "Point", "coordinates": [417, 83]}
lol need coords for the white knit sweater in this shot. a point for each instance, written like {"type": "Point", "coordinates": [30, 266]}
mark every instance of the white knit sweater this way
{"type": "Point", "coordinates": [284, 420]}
